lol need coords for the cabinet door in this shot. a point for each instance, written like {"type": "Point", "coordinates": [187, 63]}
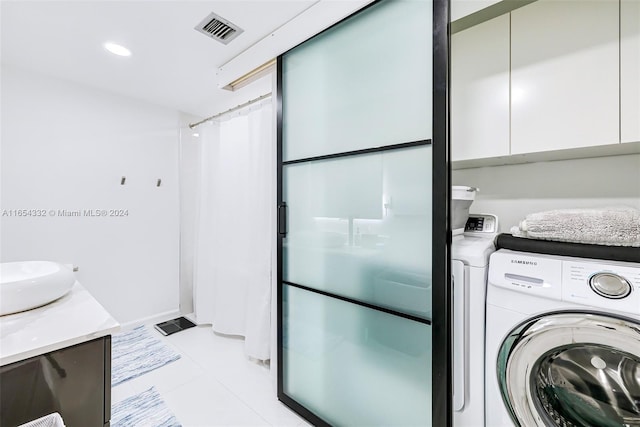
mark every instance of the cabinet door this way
{"type": "Point", "coordinates": [565, 75]}
{"type": "Point", "coordinates": [480, 90]}
{"type": "Point", "coordinates": [74, 381]}
{"type": "Point", "coordinates": [630, 70]}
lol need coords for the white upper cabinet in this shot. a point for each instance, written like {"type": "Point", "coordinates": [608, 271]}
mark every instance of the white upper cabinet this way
{"type": "Point", "coordinates": [564, 75]}
{"type": "Point", "coordinates": [462, 8]}
{"type": "Point", "coordinates": [480, 90]}
{"type": "Point", "coordinates": [630, 70]}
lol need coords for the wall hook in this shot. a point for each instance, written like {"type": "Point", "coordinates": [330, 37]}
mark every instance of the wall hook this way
{"type": "Point", "coordinates": [159, 182]}
{"type": "Point", "coordinates": [122, 180]}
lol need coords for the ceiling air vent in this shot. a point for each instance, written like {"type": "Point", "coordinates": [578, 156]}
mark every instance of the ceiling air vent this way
{"type": "Point", "coordinates": [219, 28]}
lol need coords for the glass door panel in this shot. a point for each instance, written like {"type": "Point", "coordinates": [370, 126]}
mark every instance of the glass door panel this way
{"type": "Point", "coordinates": [364, 83]}
{"type": "Point", "coordinates": [360, 227]}
{"type": "Point", "coordinates": [355, 366]}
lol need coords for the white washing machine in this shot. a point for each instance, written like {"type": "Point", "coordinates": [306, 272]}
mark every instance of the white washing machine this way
{"type": "Point", "coordinates": [563, 341]}
{"type": "Point", "coordinates": [469, 265]}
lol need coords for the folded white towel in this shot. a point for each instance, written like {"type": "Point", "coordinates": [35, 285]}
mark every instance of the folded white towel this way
{"type": "Point", "coordinates": [614, 226]}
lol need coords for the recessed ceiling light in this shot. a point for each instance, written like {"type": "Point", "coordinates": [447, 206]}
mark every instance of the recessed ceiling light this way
{"type": "Point", "coordinates": [117, 49]}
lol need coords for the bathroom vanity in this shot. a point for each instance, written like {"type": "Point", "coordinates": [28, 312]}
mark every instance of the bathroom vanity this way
{"type": "Point", "coordinates": [57, 358]}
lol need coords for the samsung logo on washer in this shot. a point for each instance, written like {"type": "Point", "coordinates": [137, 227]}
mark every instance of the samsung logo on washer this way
{"type": "Point", "coordinates": [519, 261]}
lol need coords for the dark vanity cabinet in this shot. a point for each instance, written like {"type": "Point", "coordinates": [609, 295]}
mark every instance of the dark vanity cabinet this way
{"type": "Point", "coordinates": [74, 381]}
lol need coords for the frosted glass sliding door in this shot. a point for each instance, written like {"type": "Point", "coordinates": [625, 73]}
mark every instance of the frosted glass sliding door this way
{"type": "Point", "coordinates": [362, 225]}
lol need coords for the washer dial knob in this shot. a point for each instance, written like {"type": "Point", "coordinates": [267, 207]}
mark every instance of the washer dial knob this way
{"type": "Point", "coordinates": [610, 285]}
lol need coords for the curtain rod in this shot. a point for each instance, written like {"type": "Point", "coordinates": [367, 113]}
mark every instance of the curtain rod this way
{"type": "Point", "coordinates": [237, 107]}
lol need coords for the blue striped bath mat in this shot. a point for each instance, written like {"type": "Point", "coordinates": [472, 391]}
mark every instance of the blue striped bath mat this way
{"type": "Point", "coordinates": [146, 409]}
{"type": "Point", "coordinates": [136, 352]}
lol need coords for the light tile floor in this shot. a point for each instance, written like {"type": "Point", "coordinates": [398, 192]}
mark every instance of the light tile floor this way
{"type": "Point", "coordinates": [213, 384]}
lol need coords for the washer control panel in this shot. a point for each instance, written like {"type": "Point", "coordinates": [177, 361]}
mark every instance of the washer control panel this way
{"type": "Point", "coordinates": [613, 285]}
{"type": "Point", "coordinates": [481, 224]}
{"type": "Point", "coordinates": [602, 284]}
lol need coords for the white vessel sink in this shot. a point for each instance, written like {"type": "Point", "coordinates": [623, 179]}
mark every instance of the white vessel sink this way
{"type": "Point", "coordinates": [29, 284]}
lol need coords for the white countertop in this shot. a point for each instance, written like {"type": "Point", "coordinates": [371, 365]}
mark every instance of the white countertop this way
{"type": "Point", "coordinates": [73, 319]}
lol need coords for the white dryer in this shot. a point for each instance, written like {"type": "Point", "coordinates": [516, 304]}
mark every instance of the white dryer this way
{"type": "Point", "coordinates": [563, 341]}
{"type": "Point", "coordinates": [469, 265]}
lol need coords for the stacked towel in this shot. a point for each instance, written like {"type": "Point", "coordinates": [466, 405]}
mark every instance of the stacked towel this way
{"type": "Point", "coordinates": [614, 226]}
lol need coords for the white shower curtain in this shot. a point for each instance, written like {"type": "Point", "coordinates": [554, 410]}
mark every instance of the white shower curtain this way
{"type": "Point", "coordinates": [232, 289]}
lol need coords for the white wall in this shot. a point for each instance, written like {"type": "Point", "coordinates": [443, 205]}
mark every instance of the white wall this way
{"type": "Point", "coordinates": [513, 191]}
{"type": "Point", "coordinates": [66, 147]}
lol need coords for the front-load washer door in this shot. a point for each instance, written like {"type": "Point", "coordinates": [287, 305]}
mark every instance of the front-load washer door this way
{"type": "Point", "coordinates": [573, 370]}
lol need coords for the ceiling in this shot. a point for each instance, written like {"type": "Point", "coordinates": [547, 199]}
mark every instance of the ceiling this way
{"type": "Point", "coordinates": [171, 65]}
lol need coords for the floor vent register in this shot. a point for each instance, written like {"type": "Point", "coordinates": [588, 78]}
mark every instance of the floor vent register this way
{"type": "Point", "coordinates": [172, 326]}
